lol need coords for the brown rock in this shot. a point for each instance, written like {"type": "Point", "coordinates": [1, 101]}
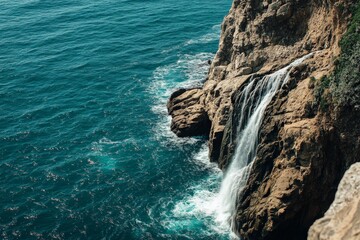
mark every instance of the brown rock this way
{"type": "Point", "coordinates": [189, 117]}
{"type": "Point", "coordinates": [288, 171]}
{"type": "Point", "coordinates": [275, 6]}
{"type": "Point", "coordinates": [245, 71]}
{"type": "Point", "coordinates": [300, 149]}
{"type": "Point", "coordinates": [284, 12]}
{"type": "Point", "coordinates": [342, 220]}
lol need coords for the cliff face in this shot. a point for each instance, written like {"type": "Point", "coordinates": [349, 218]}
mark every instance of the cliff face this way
{"type": "Point", "coordinates": [303, 152]}
{"type": "Point", "coordinates": [342, 220]}
{"type": "Point", "coordinates": [257, 38]}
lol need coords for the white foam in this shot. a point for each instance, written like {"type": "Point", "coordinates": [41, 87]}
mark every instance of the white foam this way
{"type": "Point", "coordinates": [188, 71]}
{"type": "Point", "coordinates": [99, 155]}
{"type": "Point", "coordinates": [107, 141]}
{"type": "Point", "coordinates": [203, 203]}
{"type": "Point", "coordinates": [254, 99]}
{"type": "Point", "coordinates": [209, 37]}
{"type": "Point", "coordinates": [199, 206]}
{"type": "Point", "coordinates": [201, 158]}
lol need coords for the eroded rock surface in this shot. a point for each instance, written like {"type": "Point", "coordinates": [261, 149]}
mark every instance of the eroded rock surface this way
{"type": "Point", "coordinates": [189, 117]}
{"type": "Point", "coordinates": [296, 157]}
{"type": "Point", "coordinates": [302, 153]}
{"type": "Point", "coordinates": [342, 220]}
{"type": "Point", "coordinates": [258, 37]}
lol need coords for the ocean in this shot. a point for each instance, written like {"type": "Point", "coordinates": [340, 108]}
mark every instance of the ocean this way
{"type": "Point", "coordinates": [86, 150]}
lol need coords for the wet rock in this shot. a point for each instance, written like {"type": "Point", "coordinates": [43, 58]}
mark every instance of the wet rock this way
{"type": "Point", "coordinates": [298, 163]}
{"type": "Point", "coordinates": [295, 158]}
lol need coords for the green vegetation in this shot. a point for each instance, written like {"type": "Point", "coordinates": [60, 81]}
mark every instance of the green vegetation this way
{"type": "Point", "coordinates": [322, 93]}
{"type": "Point", "coordinates": [345, 84]}
{"type": "Point", "coordinates": [342, 88]}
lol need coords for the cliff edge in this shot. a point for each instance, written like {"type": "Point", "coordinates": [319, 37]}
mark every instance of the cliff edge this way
{"type": "Point", "coordinates": [342, 220]}
{"type": "Point", "coordinates": [307, 139]}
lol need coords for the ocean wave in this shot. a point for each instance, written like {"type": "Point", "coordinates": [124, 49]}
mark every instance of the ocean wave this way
{"type": "Point", "coordinates": [201, 159]}
{"type": "Point", "coordinates": [199, 206]}
{"type": "Point", "coordinates": [102, 156]}
{"type": "Point", "coordinates": [212, 36]}
{"type": "Point", "coordinates": [188, 71]}
{"type": "Point", "coordinates": [202, 200]}
{"type": "Point", "coordinates": [209, 37]}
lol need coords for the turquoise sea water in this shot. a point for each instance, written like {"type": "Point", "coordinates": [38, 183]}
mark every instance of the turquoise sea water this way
{"type": "Point", "coordinates": [85, 146]}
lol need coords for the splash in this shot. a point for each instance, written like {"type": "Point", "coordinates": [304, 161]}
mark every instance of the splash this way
{"type": "Point", "coordinates": [253, 101]}
{"type": "Point", "coordinates": [188, 71]}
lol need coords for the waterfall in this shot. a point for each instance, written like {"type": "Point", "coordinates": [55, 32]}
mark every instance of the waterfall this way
{"type": "Point", "coordinates": [253, 101]}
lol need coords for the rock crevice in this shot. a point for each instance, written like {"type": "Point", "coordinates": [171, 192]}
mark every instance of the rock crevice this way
{"type": "Point", "coordinates": [301, 149]}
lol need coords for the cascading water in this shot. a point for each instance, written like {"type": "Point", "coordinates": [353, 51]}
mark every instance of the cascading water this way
{"type": "Point", "coordinates": [253, 101]}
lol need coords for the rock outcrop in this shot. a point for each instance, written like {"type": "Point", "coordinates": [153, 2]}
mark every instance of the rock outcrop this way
{"type": "Point", "coordinates": [258, 38]}
{"type": "Point", "coordinates": [342, 220]}
{"type": "Point", "coordinates": [297, 155]}
{"type": "Point", "coordinates": [186, 107]}
{"type": "Point", "coordinates": [302, 152]}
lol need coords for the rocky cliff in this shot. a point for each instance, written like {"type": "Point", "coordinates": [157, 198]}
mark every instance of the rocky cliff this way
{"type": "Point", "coordinates": [342, 220]}
{"type": "Point", "coordinates": [303, 150]}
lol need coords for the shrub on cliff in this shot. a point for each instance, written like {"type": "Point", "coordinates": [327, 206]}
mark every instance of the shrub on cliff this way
{"type": "Point", "coordinates": [345, 84]}
{"type": "Point", "coordinates": [322, 93]}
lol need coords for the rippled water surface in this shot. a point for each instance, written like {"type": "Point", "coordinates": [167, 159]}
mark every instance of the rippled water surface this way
{"type": "Point", "coordinates": [85, 146]}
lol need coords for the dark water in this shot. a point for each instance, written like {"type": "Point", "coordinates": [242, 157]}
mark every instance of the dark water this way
{"type": "Point", "coordinates": [85, 146]}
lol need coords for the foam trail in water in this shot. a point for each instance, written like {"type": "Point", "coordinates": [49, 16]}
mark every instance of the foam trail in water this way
{"type": "Point", "coordinates": [197, 207]}
{"type": "Point", "coordinates": [188, 71]}
{"type": "Point", "coordinates": [253, 101]}
{"type": "Point", "coordinates": [212, 36]}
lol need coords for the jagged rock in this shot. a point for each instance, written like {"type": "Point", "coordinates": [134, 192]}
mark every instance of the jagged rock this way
{"type": "Point", "coordinates": [300, 160]}
{"type": "Point", "coordinates": [275, 6]}
{"type": "Point", "coordinates": [189, 117]}
{"type": "Point", "coordinates": [284, 12]}
{"type": "Point", "coordinates": [300, 150]}
{"type": "Point", "coordinates": [245, 71]}
{"type": "Point", "coordinates": [342, 220]}
{"type": "Point", "coordinates": [252, 41]}
{"type": "Point", "coordinates": [295, 158]}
